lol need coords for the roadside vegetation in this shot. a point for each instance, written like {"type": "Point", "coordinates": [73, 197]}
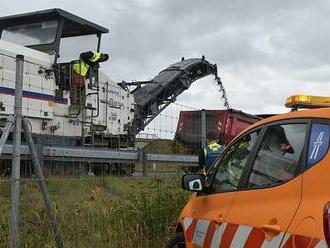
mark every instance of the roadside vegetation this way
{"type": "Point", "coordinates": [165, 146]}
{"type": "Point", "coordinates": [97, 212]}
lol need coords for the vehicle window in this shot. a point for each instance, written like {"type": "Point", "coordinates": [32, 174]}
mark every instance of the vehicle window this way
{"type": "Point", "coordinates": [31, 34]}
{"type": "Point", "coordinates": [318, 143]}
{"type": "Point", "coordinates": [70, 51]}
{"type": "Point", "coordinates": [278, 155]}
{"type": "Point", "coordinates": [231, 168]}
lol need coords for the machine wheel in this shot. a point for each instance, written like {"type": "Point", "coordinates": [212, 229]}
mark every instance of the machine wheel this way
{"type": "Point", "coordinates": [177, 241]}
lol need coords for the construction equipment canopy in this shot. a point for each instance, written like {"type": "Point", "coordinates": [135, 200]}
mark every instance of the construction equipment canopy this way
{"type": "Point", "coordinates": [69, 25]}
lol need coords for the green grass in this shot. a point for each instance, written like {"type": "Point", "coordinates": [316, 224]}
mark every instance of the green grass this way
{"type": "Point", "coordinates": [165, 146]}
{"type": "Point", "coordinates": [97, 212]}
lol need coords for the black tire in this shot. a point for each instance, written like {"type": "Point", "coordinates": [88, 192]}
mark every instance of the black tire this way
{"type": "Point", "coordinates": [177, 241]}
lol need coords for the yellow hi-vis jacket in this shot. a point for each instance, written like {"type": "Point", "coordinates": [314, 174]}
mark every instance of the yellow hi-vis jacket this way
{"type": "Point", "coordinates": [82, 68]}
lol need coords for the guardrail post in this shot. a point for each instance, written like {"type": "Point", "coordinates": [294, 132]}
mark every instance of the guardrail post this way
{"type": "Point", "coordinates": [143, 162]}
{"type": "Point", "coordinates": [203, 127]}
{"type": "Point", "coordinates": [16, 160]}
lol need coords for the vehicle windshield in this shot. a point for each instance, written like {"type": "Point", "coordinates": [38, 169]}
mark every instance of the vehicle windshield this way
{"type": "Point", "coordinates": [31, 34]}
{"type": "Point", "coordinates": [70, 51]}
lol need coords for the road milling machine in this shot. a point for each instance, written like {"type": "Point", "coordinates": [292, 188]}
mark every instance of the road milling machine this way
{"type": "Point", "coordinates": [109, 114]}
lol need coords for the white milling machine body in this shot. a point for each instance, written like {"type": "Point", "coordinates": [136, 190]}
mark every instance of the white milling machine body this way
{"type": "Point", "coordinates": [46, 83]}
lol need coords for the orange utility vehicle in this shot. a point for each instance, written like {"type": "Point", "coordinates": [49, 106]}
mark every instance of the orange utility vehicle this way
{"type": "Point", "coordinates": [269, 188]}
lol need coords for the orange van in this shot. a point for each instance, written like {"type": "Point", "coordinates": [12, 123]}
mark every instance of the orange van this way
{"type": "Point", "coordinates": [269, 188]}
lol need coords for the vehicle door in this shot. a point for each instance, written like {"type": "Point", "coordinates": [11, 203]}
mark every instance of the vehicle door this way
{"type": "Point", "coordinates": [270, 188]}
{"type": "Point", "coordinates": [210, 208]}
{"type": "Point", "coordinates": [310, 226]}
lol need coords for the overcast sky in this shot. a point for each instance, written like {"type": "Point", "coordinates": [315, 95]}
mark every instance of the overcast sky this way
{"type": "Point", "coordinates": [265, 50]}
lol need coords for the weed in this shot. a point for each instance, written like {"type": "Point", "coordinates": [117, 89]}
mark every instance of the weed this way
{"type": "Point", "coordinates": [97, 212]}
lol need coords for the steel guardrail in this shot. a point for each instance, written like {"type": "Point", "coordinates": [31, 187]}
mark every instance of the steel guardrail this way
{"type": "Point", "coordinates": [100, 154]}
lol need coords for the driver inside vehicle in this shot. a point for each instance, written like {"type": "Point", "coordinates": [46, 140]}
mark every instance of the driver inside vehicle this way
{"type": "Point", "coordinates": [277, 141]}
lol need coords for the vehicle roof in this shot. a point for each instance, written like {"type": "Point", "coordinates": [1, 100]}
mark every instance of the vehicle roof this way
{"type": "Point", "coordinates": [73, 25]}
{"type": "Point", "coordinates": [310, 113]}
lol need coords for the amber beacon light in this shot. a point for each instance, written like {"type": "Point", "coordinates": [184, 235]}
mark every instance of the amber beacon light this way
{"type": "Point", "coordinates": [307, 101]}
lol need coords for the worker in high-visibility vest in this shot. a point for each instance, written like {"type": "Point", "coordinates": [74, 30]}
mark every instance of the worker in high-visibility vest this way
{"type": "Point", "coordinates": [209, 154]}
{"type": "Point", "coordinates": [81, 68]}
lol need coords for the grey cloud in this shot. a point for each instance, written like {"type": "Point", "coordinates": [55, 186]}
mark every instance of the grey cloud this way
{"type": "Point", "coordinates": [265, 50]}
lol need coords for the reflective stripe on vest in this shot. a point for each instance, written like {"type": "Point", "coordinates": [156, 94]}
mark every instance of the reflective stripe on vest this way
{"type": "Point", "coordinates": [213, 147]}
{"type": "Point", "coordinates": [96, 56]}
{"type": "Point", "coordinates": [211, 152]}
{"type": "Point", "coordinates": [81, 68]}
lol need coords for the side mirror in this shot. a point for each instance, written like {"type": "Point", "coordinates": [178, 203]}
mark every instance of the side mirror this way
{"type": "Point", "coordinates": [193, 182]}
